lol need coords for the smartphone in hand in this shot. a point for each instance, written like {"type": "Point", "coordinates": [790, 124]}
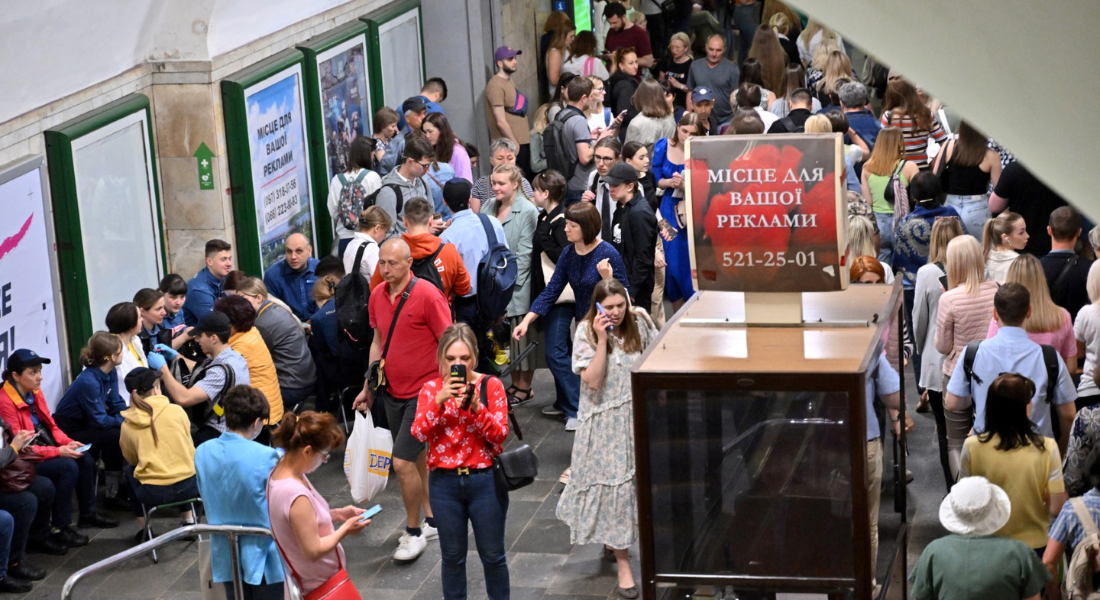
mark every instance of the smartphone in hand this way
{"type": "Point", "coordinates": [370, 512]}
{"type": "Point", "coordinates": [599, 308]}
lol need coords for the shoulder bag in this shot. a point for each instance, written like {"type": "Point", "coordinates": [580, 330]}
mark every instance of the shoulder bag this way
{"type": "Point", "coordinates": [548, 268]}
{"type": "Point", "coordinates": [517, 467]}
{"type": "Point", "coordinates": [376, 373]}
{"type": "Point", "coordinates": [19, 474]}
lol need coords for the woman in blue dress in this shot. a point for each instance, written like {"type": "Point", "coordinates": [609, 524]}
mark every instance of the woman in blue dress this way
{"type": "Point", "coordinates": [667, 166]}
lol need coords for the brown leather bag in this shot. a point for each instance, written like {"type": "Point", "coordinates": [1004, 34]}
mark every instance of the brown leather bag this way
{"type": "Point", "coordinates": [19, 474]}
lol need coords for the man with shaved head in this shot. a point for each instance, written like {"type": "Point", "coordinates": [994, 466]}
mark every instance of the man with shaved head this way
{"type": "Point", "coordinates": [291, 279]}
{"type": "Point", "coordinates": [407, 366]}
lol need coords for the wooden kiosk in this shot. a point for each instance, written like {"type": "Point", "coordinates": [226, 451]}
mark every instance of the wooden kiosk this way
{"type": "Point", "coordinates": [750, 421]}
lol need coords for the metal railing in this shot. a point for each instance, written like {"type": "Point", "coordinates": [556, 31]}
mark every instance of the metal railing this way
{"type": "Point", "coordinates": [233, 532]}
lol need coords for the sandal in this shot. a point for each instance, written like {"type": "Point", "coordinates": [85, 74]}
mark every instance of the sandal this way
{"type": "Point", "coordinates": [514, 398]}
{"type": "Point", "coordinates": [564, 479]}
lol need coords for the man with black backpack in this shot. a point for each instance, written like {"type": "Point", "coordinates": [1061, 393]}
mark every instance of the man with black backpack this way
{"type": "Point", "coordinates": [210, 380]}
{"type": "Point", "coordinates": [567, 141]}
{"type": "Point", "coordinates": [1011, 351]}
{"type": "Point", "coordinates": [801, 102]}
{"type": "Point", "coordinates": [404, 183]}
{"type": "Point", "coordinates": [1067, 273]}
{"type": "Point", "coordinates": [434, 260]}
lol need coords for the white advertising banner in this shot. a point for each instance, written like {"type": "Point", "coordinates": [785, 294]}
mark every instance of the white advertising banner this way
{"type": "Point", "coordinates": [28, 317]}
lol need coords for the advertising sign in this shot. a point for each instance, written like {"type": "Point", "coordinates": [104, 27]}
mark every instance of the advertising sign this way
{"type": "Point", "coordinates": [279, 163]}
{"type": "Point", "coordinates": [28, 317]}
{"type": "Point", "coordinates": [345, 105]}
{"type": "Point", "coordinates": [767, 213]}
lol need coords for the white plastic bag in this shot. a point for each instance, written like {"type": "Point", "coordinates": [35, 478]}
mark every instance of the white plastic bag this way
{"type": "Point", "coordinates": [367, 459]}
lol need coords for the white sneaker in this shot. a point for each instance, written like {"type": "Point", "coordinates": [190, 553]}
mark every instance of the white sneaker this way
{"type": "Point", "coordinates": [571, 424]}
{"type": "Point", "coordinates": [410, 547]}
{"type": "Point", "coordinates": [428, 532]}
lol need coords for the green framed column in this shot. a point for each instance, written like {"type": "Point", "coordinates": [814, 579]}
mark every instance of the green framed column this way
{"type": "Point", "coordinates": [339, 108]}
{"type": "Point", "coordinates": [107, 213]}
{"type": "Point", "coordinates": [397, 52]}
{"type": "Point", "coordinates": [269, 160]}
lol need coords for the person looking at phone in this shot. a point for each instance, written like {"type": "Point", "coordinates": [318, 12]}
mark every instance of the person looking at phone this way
{"type": "Point", "coordinates": [156, 442]}
{"type": "Point", "coordinates": [609, 338]}
{"type": "Point", "coordinates": [232, 472]}
{"type": "Point", "coordinates": [301, 520]}
{"type": "Point", "coordinates": [425, 315]}
{"type": "Point", "coordinates": [91, 409]}
{"type": "Point", "coordinates": [24, 408]}
{"type": "Point", "coordinates": [463, 418]}
{"type": "Point", "coordinates": [577, 139]}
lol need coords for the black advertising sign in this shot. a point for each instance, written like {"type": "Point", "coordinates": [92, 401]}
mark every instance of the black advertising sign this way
{"type": "Point", "coordinates": [767, 213]}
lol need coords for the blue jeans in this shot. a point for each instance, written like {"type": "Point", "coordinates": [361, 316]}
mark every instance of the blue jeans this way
{"type": "Point", "coordinates": [461, 500]}
{"type": "Point", "coordinates": [294, 396]}
{"type": "Point", "coordinates": [31, 511]}
{"type": "Point", "coordinates": [7, 528]}
{"type": "Point", "coordinates": [67, 475]}
{"type": "Point", "coordinates": [973, 210]}
{"type": "Point", "coordinates": [154, 495]}
{"type": "Point", "coordinates": [744, 18]}
{"type": "Point", "coordinates": [559, 357]}
{"type": "Point", "coordinates": [886, 239]}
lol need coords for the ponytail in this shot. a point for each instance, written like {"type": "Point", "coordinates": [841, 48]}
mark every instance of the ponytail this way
{"type": "Point", "coordinates": [138, 402]}
{"type": "Point", "coordinates": [101, 347]}
{"type": "Point", "coordinates": [995, 229]}
{"type": "Point", "coordinates": [314, 429]}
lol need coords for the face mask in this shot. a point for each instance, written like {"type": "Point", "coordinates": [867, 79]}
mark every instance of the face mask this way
{"type": "Point", "coordinates": [258, 427]}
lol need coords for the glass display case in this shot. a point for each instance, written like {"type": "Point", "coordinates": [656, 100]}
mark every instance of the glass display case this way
{"type": "Point", "coordinates": [752, 449]}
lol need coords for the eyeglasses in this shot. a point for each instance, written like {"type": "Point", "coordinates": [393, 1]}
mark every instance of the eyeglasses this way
{"type": "Point", "coordinates": [604, 158]}
{"type": "Point", "coordinates": [425, 165]}
{"type": "Point", "coordinates": [324, 456]}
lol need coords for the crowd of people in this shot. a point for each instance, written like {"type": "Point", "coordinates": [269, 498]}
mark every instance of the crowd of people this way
{"type": "Point", "coordinates": [198, 388]}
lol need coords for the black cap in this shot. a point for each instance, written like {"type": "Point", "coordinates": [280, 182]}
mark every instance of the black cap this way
{"type": "Point", "coordinates": [456, 194]}
{"type": "Point", "coordinates": [215, 322]}
{"type": "Point", "coordinates": [141, 379]}
{"type": "Point", "coordinates": [415, 104]}
{"type": "Point", "coordinates": [24, 358]}
{"type": "Point", "coordinates": [621, 173]}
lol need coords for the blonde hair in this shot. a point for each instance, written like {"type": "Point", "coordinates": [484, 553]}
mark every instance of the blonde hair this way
{"type": "Point", "coordinates": [374, 216]}
{"type": "Point", "coordinates": [780, 23]}
{"type": "Point", "coordinates": [101, 347]}
{"type": "Point", "coordinates": [1046, 316]}
{"type": "Point", "coordinates": [944, 229]}
{"type": "Point", "coordinates": [818, 124]}
{"type": "Point", "coordinates": [595, 107]}
{"type": "Point", "coordinates": [822, 52]}
{"type": "Point", "coordinates": [812, 27]}
{"type": "Point", "coordinates": [965, 265]}
{"type": "Point", "coordinates": [861, 237]}
{"type": "Point", "coordinates": [684, 39]}
{"type": "Point", "coordinates": [1093, 284]}
{"type": "Point", "coordinates": [325, 288]}
{"type": "Point", "coordinates": [541, 121]}
{"type": "Point", "coordinates": [888, 151]}
{"type": "Point", "coordinates": [837, 67]}
{"type": "Point", "coordinates": [459, 332]}
{"type": "Point", "coordinates": [996, 228]}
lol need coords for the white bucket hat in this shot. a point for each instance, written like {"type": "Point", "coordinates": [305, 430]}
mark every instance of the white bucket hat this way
{"type": "Point", "coordinates": [975, 507]}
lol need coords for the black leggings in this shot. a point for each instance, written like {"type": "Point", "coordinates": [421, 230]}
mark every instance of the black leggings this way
{"type": "Point", "coordinates": [935, 400]}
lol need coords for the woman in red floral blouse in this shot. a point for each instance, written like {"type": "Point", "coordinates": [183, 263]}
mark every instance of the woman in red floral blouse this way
{"type": "Point", "coordinates": [464, 424]}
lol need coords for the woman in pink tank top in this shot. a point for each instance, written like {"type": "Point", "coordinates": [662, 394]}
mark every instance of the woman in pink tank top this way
{"type": "Point", "coordinates": [300, 518]}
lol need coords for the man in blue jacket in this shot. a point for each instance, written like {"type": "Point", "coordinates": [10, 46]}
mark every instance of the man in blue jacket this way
{"type": "Point", "coordinates": [206, 287]}
{"type": "Point", "coordinates": [291, 279]}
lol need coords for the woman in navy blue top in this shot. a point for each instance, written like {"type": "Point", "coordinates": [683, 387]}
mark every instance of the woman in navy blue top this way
{"type": "Point", "coordinates": [582, 264]}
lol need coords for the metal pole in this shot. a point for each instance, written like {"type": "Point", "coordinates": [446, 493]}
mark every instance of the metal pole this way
{"type": "Point", "coordinates": [235, 563]}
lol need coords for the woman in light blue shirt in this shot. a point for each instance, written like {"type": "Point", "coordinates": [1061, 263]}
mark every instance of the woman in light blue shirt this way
{"type": "Point", "coordinates": [233, 472]}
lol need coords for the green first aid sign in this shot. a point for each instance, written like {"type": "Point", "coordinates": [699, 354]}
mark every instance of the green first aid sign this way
{"type": "Point", "coordinates": [205, 159]}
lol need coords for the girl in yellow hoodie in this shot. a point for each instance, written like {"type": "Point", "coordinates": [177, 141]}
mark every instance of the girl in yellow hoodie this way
{"type": "Point", "coordinates": [156, 442]}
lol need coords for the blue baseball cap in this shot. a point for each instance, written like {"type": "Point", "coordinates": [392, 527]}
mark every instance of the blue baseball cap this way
{"type": "Point", "coordinates": [24, 358]}
{"type": "Point", "coordinates": [702, 94]}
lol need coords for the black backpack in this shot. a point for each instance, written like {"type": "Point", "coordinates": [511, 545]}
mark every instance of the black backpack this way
{"type": "Point", "coordinates": [351, 297]}
{"type": "Point", "coordinates": [425, 269]}
{"type": "Point", "coordinates": [496, 276]}
{"type": "Point", "coordinates": [1050, 361]}
{"type": "Point", "coordinates": [200, 413]}
{"type": "Point", "coordinates": [788, 122]}
{"type": "Point", "coordinates": [372, 199]}
{"type": "Point", "coordinates": [554, 147]}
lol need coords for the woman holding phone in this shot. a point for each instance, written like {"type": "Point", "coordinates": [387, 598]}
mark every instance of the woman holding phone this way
{"type": "Point", "coordinates": [463, 418]}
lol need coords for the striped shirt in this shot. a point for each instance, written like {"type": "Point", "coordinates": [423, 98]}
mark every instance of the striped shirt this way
{"type": "Point", "coordinates": [1067, 529]}
{"type": "Point", "coordinates": [916, 140]}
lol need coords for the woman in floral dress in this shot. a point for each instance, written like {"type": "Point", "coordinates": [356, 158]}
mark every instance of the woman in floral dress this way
{"type": "Point", "coordinates": [600, 502]}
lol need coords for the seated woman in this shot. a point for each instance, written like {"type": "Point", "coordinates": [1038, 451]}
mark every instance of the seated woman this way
{"type": "Point", "coordinates": [232, 475]}
{"type": "Point", "coordinates": [152, 307]}
{"type": "Point", "coordinates": [246, 340]}
{"type": "Point", "coordinates": [300, 517]}
{"type": "Point", "coordinates": [91, 409]}
{"type": "Point", "coordinates": [124, 320]}
{"type": "Point", "coordinates": [156, 441]}
{"type": "Point", "coordinates": [28, 515]}
{"type": "Point", "coordinates": [24, 408]}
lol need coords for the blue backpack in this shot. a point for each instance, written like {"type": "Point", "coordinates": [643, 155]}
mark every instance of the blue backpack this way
{"type": "Point", "coordinates": [496, 276]}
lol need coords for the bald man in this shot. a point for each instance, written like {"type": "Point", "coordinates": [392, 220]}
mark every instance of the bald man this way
{"type": "Point", "coordinates": [410, 364]}
{"type": "Point", "coordinates": [291, 279]}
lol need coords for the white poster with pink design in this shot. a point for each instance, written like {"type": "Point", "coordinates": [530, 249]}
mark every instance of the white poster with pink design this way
{"type": "Point", "coordinates": [28, 315]}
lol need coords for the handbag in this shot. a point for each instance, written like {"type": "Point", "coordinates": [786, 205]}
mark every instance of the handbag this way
{"type": "Point", "coordinates": [376, 373]}
{"type": "Point", "coordinates": [548, 268]}
{"type": "Point", "coordinates": [337, 587]}
{"type": "Point", "coordinates": [19, 474]}
{"type": "Point", "coordinates": [515, 468]}
{"type": "Point", "coordinates": [45, 435]}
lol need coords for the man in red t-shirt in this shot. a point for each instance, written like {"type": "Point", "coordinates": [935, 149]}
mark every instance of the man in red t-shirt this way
{"type": "Point", "coordinates": [410, 363]}
{"type": "Point", "coordinates": [623, 33]}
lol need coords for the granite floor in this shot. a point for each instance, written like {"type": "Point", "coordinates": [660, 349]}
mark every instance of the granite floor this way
{"type": "Point", "coordinates": [543, 564]}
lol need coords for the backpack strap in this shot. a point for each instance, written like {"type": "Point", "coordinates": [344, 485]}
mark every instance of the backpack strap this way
{"type": "Point", "coordinates": [943, 278]}
{"type": "Point", "coordinates": [343, 179]}
{"type": "Point", "coordinates": [1083, 515]}
{"type": "Point", "coordinates": [361, 176]}
{"type": "Point", "coordinates": [490, 235]}
{"type": "Point", "coordinates": [968, 361]}
{"type": "Point", "coordinates": [1050, 361]}
{"type": "Point", "coordinates": [511, 416]}
{"type": "Point", "coordinates": [399, 199]}
{"type": "Point", "coordinates": [434, 255]}
{"type": "Point", "coordinates": [396, 313]}
{"type": "Point", "coordinates": [1056, 285]}
{"type": "Point", "coordinates": [358, 258]}
{"type": "Point", "coordinates": [788, 122]}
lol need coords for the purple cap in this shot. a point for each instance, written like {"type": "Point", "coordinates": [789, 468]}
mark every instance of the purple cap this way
{"type": "Point", "coordinates": [504, 53]}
